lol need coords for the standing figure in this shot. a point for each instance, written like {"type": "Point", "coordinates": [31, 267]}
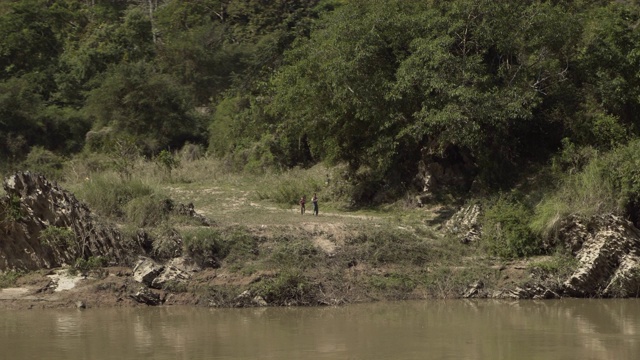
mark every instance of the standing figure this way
{"type": "Point", "coordinates": [303, 200]}
{"type": "Point", "coordinates": [314, 199]}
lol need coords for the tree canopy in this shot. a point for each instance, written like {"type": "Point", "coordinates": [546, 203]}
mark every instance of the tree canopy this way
{"type": "Point", "coordinates": [374, 84]}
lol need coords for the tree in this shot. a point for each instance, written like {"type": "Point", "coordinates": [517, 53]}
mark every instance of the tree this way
{"type": "Point", "coordinates": [138, 100]}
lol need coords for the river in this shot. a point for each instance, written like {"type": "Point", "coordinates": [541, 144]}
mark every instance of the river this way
{"type": "Point", "coordinates": [455, 329]}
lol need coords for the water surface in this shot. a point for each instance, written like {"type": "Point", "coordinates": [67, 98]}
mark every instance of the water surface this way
{"type": "Point", "coordinates": [457, 329]}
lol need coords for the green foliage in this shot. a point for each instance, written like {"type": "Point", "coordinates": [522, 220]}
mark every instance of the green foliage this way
{"type": "Point", "coordinates": [206, 246]}
{"type": "Point", "coordinates": [561, 265]}
{"type": "Point", "coordinates": [44, 162]}
{"type": "Point", "coordinates": [393, 282]}
{"type": "Point", "coordinates": [145, 211]}
{"type": "Point", "coordinates": [8, 278]}
{"type": "Point", "coordinates": [58, 237]}
{"type": "Point", "coordinates": [298, 254]}
{"type": "Point", "coordinates": [140, 101]}
{"type": "Point", "coordinates": [167, 161]}
{"type": "Point", "coordinates": [377, 85]}
{"type": "Point", "coordinates": [288, 187]}
{"type": "Point", "coordinates": [388, 246]}
{"type": "Point", "coordinates": [209, 247]}
{"type": "Point", "coordinates": [10, 209]}
{"type": "Point", "coordinates": [506, 232]}
{"type": "Point", "coordinates": [108, 197]}
{"type": "Point", "coordinates": [166, 242]}
{"type": "Point", "coordinates": [286, 289]}
{"type": "Point", "coordinates": [90, 264]}
{"type": "Point", "coordinates": [608, 183]}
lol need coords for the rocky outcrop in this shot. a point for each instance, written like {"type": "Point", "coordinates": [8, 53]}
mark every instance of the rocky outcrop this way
{"type": "Point", "coordinates": [607, 249]}
{"type": "Point", "coordinates": [32, 205]}
{"type": "Point", "coordinates": [464, 224]}
{"type": "Point", "coordinates": [152, 274]}
{"type": "Point", "coordinates": [147, 296]}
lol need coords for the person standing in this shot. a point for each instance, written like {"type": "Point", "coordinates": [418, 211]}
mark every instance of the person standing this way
{"type": "Point", "coordinates": [303, 200]}
{"type": "Point", "coordinates": [314, 199]}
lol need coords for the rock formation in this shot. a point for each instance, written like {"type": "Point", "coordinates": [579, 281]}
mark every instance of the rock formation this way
{"type": "Point", "coordinates": [30, 206]}
{"type": "Point", "coordinates": [464, 224]}
{"type": "Point", "coordinates": [607, 248]}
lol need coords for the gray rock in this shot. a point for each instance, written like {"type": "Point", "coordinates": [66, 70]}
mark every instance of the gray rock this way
{"type": "Point", "coordinates": [465, 224]}
{"type": "Point", "coordinates": [146, 271]}
{"type": "Point", "coordinates": [259, 301]}
{"type": "Point", "coordinates": [170, 274]}
{"type": "Point", "coordinates": [146, 296]}
{"type": "Point", "coordinates": [606, 247]}
{"type": "Point", "coordinates": [37, 205]}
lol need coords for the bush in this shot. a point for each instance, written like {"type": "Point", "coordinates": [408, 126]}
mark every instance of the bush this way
{"type": "Point", "coordinates": [45, 162]}
{"type": "Point", "coordinates": [108, 197]}
{"type": "Point", "coordinates": [8, 278]}
{"type": "Point", "coordinates": [288, 288]}
{"type": "Point", "coordinates": [10, 209]}
{"type": "Point", "coordinates": [167, 242]}
{"type": "Point", "coordinates": [505, 230]}
{"type": "Point", "coordinates": [145, 211]}
{"type": "Point", "coordinates": [388, 246]}
{"type": "Point", "coordinates": [91, 264]}
{"type": "Point", "coordinates": [287, 188]}
{"type": "Point", "coordinates": [298, 254]}
{"type": "Point", "coordinates": [57, 237]}
{"type": "Point", "coordinates": [206, 246]}
{"type": "Point", "coordinates": [608, 183]}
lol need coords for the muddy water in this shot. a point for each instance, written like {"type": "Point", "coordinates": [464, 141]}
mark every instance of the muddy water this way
{"type": "Point", "coordinates": [565, 329]}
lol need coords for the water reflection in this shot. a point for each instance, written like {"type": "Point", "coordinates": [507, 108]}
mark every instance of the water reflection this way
{"type": "Point", "coordinates": [564, 329]}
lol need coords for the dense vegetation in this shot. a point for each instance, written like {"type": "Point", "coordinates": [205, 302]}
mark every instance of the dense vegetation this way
{"type": "Point", "coordinates": [533, 89]}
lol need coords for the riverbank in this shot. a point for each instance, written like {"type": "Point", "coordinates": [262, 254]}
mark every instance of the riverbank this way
{"type": "Point", "coordinates": [134, 242]}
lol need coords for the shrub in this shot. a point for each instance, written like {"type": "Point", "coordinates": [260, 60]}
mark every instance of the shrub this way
{"type": "Point", "coordinates": [145, 211]}
{"type": "Point", "coordinates": [167, 242]}
{"type": "Point", "coordinates": [57, 237]}
{"type": "Point", "coordinates": [108, 197]}
{"type": "Point", "coordinates": [91, 264]}
{"type": "Point", "coordinates": [288, 288]}
{"type": "Point", "coordinates": [505, 230]}
{"type": "Point", "coordinates": [388, 246]}
{"type": "Point", "coordinates": [8, 278]}
{"type": "Point", "coordinates": [298, 254]}
{"type": "Point", "coordinates": [167, 162]}
{"type": "Point", "coordinates": [206, 246]}
{"type": "Point", "coordinates": [45, 162]}
{"type": "Point", "coordinates": [609, 183]}
{"type": "Point", "coordinates": [286, 188]}
{"type": "Point", "coordinates": [10, 209]}
{"type": "Point", "coordinates": [209, 247]}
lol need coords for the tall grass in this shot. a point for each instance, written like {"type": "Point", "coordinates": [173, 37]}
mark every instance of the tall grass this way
{"type": "Point", "coordinates": [108, 196]}
{"type": "Point", "coordinates": [607, 184]}
{"type": "Point", "coordinates": [288, 187]}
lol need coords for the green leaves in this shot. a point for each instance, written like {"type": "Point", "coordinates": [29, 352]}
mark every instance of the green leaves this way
{"type": "Point", "coordinates": [137, 100]}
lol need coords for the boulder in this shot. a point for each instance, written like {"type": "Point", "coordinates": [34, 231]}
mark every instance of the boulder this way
{"type": "Point", "coordinates": [170, 274]}
{"type": "Point", "coordinates": [146, 296]}
{"type": "Point", "coordinates": [146, 271]}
